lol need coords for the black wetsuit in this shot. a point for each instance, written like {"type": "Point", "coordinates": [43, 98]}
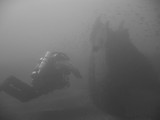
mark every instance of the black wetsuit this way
{"type": "Point", "coordinates": [52, 80]}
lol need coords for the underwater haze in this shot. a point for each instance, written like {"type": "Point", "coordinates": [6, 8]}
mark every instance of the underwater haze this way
{"type": "Point", "coordinates": [115, 44]}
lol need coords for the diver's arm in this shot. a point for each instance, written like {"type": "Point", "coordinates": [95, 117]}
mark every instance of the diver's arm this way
{"type": "Point", "coordinates": [70, 67]}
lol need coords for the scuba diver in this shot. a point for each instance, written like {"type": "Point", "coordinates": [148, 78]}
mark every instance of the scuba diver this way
{"type": "Point", "coordinates": [51, 73]}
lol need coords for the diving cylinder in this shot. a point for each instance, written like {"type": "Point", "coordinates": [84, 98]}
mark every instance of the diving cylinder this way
{"type": "Point", "coordinates": [44, 63]}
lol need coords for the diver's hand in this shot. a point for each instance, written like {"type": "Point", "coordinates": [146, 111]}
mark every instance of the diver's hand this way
{"type": "Point", "coordinates": [76, 73]}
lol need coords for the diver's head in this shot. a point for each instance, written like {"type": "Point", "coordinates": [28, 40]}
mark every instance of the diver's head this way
{"type": "Point", "coordinates": [48, 54]}
{"type": "Point", "coordinates": [59, 56]}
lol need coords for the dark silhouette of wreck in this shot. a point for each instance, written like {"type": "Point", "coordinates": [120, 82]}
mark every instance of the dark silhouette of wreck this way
{"type": "Point", "coordinates": [131, 88]}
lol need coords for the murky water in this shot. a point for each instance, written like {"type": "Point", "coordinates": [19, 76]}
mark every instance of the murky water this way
{"type": "Point", "coordinates": [79, 28]}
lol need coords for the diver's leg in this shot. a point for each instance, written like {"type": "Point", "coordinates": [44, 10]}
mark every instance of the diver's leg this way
{"type": "Point", "coordinates": [18, 89]}
{"type": "Point", "coordinates": [14, 92]}
{"type": "Point", "coordinates": [23, 96]}
{"type": "Point", "coordinates": [14, 82]}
